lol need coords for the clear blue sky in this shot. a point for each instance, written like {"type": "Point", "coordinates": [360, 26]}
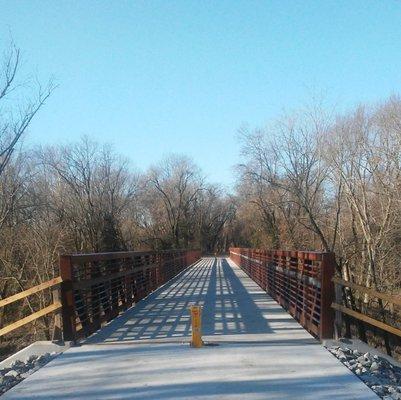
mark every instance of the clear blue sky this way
{"type": "Point", "coordinates": [155, 77]}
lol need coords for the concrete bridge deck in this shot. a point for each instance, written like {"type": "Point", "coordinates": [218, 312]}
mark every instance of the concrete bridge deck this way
{"type": "Point", "coordinates": [261, 352]}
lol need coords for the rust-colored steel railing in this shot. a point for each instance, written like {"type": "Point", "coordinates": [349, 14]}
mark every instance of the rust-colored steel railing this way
{"type": "Point", "coordinates": [300, 281]}
{"type": "Point", "coordinates": [97, 287]}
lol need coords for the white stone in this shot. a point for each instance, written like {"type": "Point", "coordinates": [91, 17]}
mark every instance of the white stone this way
{"type": "Point", "coordinates": [31, 358]}
{"type": "Point", "coordinates": [374, 366]}
{"type": "Point", "coordinates": [25, 375]}
{"type": "Point", "coordinates": [17, 364]}
{"type": "Point", "coordinates": [12, 373]}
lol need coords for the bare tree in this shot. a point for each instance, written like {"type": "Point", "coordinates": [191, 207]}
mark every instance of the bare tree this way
{"type": "Point", "coordinates": [16, 114]}
{"type": "Point", "coordinates": [285, 163]}
{"type": "Point", "coordinates": [214, 210]}
{"type": "Point", "coordinates": [92, 190]}
{"type": "Point", "coordinates": [174, 186]}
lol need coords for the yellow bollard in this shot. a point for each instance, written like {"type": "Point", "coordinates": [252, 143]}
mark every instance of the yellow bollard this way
{"type": "Point", "coordinates": [196, 313]}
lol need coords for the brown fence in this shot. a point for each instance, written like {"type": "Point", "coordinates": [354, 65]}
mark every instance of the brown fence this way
{"type": "Point", "coordinates": [380, 311]}
{"type": "Point", "coordinates": [96, 287]}
{"type": "Point", "coordinates": [54, 306]}
{"type": "Point", "coordinates": [301, 282]}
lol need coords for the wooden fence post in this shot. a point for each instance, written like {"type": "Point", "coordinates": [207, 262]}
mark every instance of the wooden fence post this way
{"type": "Point", "coordinates": [338, 322]}
{"type": "Point", "coordinates": [326, 328]}
{"type": "Point", "coordinates": [67, 299]}
{"type": "Point", "coordinates": [57, 335]}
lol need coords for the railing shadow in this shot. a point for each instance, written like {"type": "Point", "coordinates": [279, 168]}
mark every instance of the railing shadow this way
{"type": "Point", "coordinates": [167, 372]}
{"type": "Point", "coordinates": [229, 307]}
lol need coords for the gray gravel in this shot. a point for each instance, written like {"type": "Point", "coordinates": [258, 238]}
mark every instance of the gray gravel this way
{"type": "Point", "coordinates": [19, 370]}
{"type": "Point", "coordinates": [378, 373]}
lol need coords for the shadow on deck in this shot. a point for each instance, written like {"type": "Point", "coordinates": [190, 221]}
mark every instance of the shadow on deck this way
{"type": "Point", "coordinates": [264, 352]}
{"type": "Point", "coordinates": [231, 306]}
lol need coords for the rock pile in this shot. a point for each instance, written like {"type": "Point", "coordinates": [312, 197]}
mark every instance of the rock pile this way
{"type": "Point", "coordinates": [20, 370]}
{"type": "Point", "coordinates": [379, 374]}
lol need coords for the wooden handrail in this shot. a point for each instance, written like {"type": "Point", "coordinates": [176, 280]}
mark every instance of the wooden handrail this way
{"type": "Point", "coordinates": [32, 290]}
{"type": "Point", "coordinates": [387, 297]}
{"type": "Point", "coordinates": [365, 318]}
{"type": "Point", "coordinates": [9, 328]}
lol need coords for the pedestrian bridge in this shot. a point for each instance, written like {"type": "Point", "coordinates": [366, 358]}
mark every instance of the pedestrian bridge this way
{"type": "Point", "coordinates": [255, 349]}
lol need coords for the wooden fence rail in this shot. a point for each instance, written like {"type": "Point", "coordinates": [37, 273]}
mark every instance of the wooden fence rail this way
{"type": "Point", "coordinates": [301, 282]}
{"type": "Point", "coordinates": [53, 307]}
{"type": "Point", "coordinates": [362, 316]}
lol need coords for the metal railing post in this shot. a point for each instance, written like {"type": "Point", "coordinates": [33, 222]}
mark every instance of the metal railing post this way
{"type": "Point", "coordinates": [67, 299]}
{"type": "Point", "coordinates": [326, 328]}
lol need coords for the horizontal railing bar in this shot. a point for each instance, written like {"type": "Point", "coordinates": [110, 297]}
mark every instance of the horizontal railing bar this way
{"type": "Point", "coordinates": [97, 302]}
{"type": "Point", "coordinates": [365, 318]}
{"type": "Point", "coordinates": [15, 325]}
{"type": "Point", "coordinates": [270, 254]}
{"type": "Point", "coordinates": [120, 255]}
{"type": "Point", "coordinates": [102, 318]}
{"type": "Point", "coordinates": [82, 284]}
{"type": "Point", "coordinates": [387, 297]}
{"type": "Point", "coordinates": [32, 290]}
